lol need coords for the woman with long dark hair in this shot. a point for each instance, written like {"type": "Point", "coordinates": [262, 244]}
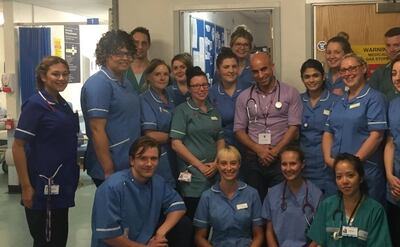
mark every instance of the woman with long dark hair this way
{"type": "Point", "coordinates": [350, 218]}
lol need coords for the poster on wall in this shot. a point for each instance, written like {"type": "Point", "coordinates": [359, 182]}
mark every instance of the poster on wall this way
{"type": "Point", "coordinates": [72, 52]}
{"type": "Point", "coordinates": [209, 49]}
{"type": "Point", "coordinates": [207, 40]}
{"type": "Point", "coordinates": [374, 55]}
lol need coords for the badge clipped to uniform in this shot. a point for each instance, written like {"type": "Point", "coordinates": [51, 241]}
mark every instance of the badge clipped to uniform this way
{"type": "Point", "coordinates": [214, 118]}
{"type": "Point", "coordinates": [54, 189]}
{"type": "Point", "coordinates": [185, 176]}
{"type": "Point", "coordinates": [350, 231]}
{"type": "Point", "coordinates": [241, 206]}
{"type": "Point", "coordinates": [355, 105]}
{"type": "Point", "coordinates": [326, 112]}
{"type": "Point", "coordinates": [264, 137]}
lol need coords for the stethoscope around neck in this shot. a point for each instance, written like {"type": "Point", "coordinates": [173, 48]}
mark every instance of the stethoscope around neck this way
{"type": "Point", "coordinates": [278, 104]}
{"type": "Point", "coordinates": [306, 203]}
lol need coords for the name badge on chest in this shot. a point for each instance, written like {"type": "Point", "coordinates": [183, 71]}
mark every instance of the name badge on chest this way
{"type": "Point", "coordinates": [350, 231]}
{"type": "Point", "coordinates": [264, 137]}
{"type": "Point", "coordinates": [241, 206]}
{"type": "Point", "coordinates": [326, 112]}
{"type": "Point", "coordinates": [54, 189]}
{"type": "Point", "coordinates": [214, 118]}
{"type": "Point", "coordinates": [355, 105]}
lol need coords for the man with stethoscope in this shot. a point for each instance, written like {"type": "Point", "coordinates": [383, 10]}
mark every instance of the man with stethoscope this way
{"type": "Point", "coordinates": [267, 118]}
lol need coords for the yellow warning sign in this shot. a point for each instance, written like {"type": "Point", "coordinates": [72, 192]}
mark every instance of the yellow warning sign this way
{"type": "Point", "coordinates": [57, 47]}
{"type": "Point", "coordinates": [373, 54]}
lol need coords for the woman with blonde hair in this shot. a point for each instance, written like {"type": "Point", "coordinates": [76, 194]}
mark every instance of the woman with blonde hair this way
{"type": "Point", "coordinates": [230, 207]}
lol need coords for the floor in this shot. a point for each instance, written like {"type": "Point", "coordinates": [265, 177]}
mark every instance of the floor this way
{"type": "Point", "coordinates": [14, 231]}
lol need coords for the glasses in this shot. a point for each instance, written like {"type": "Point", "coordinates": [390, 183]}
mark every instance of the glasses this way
{"type": "Point", "coordinates": [60, 75]}
{"type": "Point", "coordinates": [121, 54]}
{"type": "Point", "coordinates": [244, 45]}
{"type": "Point", "coordinates": [351, 69]}
{"type": "Point", "coordinates": [198, 86]}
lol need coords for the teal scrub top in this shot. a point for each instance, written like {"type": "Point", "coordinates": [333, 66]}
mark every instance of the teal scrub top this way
{"type": "Point", "coordinates": [370, 219]}
{"type": "Point", "coordinates": [199, 132]}
{"type": "Point", "coordinates": [140, 86]}
{"type": "Point", "coordinates": [381, 80]}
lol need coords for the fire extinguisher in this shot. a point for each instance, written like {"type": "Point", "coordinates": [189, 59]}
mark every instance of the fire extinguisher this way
{"type": "Point", "coordinates": [9, 124]}
{"type": "Point", "coordinates": [5, 81]}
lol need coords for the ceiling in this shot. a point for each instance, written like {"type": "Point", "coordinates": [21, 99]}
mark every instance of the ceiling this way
{"type": "Point", "coordinates": [87, 8]}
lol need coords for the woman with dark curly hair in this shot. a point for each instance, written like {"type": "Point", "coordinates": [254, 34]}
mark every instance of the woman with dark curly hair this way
{"type": "Point", "coordinates": [111, 108]}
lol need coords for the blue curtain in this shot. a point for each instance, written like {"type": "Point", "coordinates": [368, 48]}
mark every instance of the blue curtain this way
{"type": "Point", "coordinates": [34, 44]}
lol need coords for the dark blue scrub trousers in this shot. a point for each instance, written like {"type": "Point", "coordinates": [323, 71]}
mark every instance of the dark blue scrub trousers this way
{"type": "Point", "coordinates": [37, 225]}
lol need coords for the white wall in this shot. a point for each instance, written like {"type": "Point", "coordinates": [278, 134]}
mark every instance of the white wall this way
{"type": "Point", "coordinates": [26, 13]}
{"type": "Point", "coordinates": [159, 17]}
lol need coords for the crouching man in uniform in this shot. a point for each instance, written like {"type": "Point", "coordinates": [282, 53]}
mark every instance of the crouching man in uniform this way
{"type": "Point", "coordinates": [128, 206]}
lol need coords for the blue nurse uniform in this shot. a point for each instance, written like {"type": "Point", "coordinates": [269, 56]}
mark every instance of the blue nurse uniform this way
{"type": "Point", "coordinates": [104, 96]}
{"type": "Point", "coordinates": [157, 116]}
{"type": "Point", "coordinates": [350, 123]}
{"type": "Point", "coordinates": [225, 105]}
{"type": "Point", "coordinates": [50, 129]}
{"type": "Point", "coordinates": [312, 128]}
{"type": "Point", "coordinates": [289, 214]}
{"type": "Point", "coordinates": [123, 206]}
{"type": "Point", "coordinates": [232, 220]}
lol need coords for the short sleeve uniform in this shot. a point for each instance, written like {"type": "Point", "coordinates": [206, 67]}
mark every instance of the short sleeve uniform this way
{"type": "Point", "coordinates": [232, 220]}
{"type": "Point", "coordinates": [311, 130]}
{"type": "Point", "coordinates": [177, 96]}
{"type": "Point", "coordinates": [394, 127]}
{"type": "Point", "coordinates": [50, 129]}
{"type": "Point", "coordinates": [123, 206]}
{"type": "Point", "coordinates": [225, 105]}
{"type": "Point", "coordinates": [286, 214]}
{"type": "Point", "coordinates": [370, 219]}
{"type": "Point", "coordinates": [199, 132]}
{"type": "Point", "coordinates": [351, 122]}
{"type": "Point", "coordinates": [157, 116]}
{"type": "Point", "coordinates": [104, 96]}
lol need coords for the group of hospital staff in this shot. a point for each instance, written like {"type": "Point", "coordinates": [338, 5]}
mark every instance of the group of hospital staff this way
{"type": "Point", "coordinates": [324, 188]}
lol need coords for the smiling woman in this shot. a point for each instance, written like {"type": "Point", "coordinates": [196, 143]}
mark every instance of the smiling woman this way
{"type": "Point", "coordinates": [357, 123]}
{"type": "Point", "coordinates": [289, 206]}
{"type": "Point", "coordinates": [47, 167]}
{"type": "Point", "coordinates": [350, 218]}
{"type": "Point", "coordinates": [109, 104]}
{"type": "Point", "coordinates": [230, 207]}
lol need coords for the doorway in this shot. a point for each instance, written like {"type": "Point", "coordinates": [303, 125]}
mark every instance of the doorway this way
{"type": "Point", "coordinates": [203, 33]}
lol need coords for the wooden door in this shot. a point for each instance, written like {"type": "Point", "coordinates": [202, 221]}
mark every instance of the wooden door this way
{"type": "Point", "coordinates": [365, 28]}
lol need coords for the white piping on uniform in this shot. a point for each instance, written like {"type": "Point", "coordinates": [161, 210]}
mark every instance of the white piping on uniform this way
{"type": "Point", "coordinates": [119, 143]}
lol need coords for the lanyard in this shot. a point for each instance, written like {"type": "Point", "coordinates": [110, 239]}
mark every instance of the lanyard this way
{"type": "Point", "coordinates": [351, 219]}
{"type": "Point", "coordinates": [50, 182]}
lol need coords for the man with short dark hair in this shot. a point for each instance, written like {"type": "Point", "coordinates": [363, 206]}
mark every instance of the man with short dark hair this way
{"type": "Point", "coordinates": [128, 206]}
{"type": "Point", "coordinates": [142, 40]}
{"type": "Point", "coordinates": [381, 79]}
{"type": "Point", "coordinates": [267, 118]}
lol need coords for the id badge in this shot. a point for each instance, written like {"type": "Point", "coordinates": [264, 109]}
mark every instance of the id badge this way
{"type": "Point", "coordinates": [350, 231]}
{"type": "Point", "coordinates": [264, 137]}
{"type": "Point", "coordinates": [54, 189]}
{"type": "Point", "coordinates": [185, 176]}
